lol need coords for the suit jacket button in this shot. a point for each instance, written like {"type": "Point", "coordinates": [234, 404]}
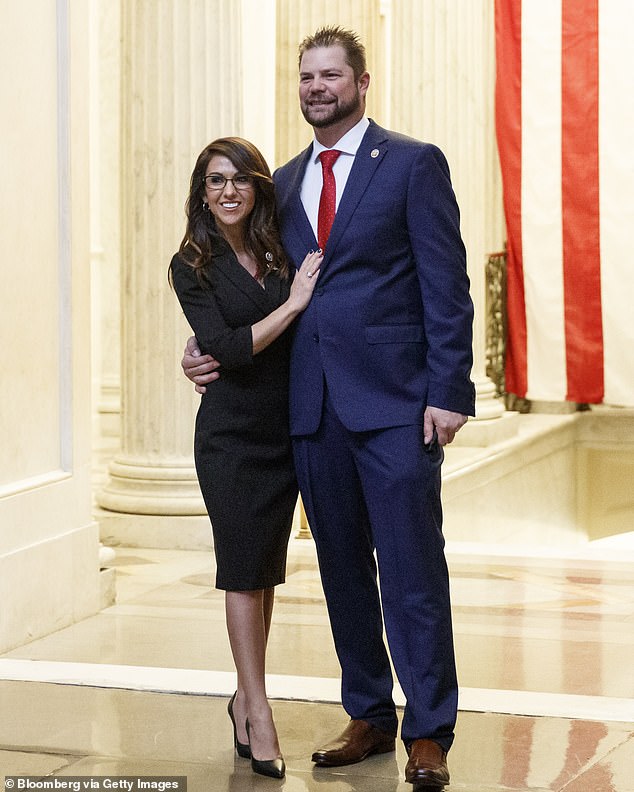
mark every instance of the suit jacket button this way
{"type": "Point", "coordinates": [316, 338]}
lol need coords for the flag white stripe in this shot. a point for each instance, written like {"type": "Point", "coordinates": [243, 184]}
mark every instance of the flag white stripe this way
{"type": "Point", "coordinates": [541, 199]}
{"type": "Point", "coordinates": [616, 197]}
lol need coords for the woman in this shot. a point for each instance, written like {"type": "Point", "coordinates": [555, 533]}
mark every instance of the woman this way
{"type": "Point", "coordinates": [232, 279]}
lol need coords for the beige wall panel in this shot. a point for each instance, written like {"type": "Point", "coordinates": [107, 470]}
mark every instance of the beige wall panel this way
{"type": "Point", "coordinates": [294, 22]}
{"type": "Point", "coordinates": [29, 416]}
{"type": "Point", "coordinates": [48, 542]}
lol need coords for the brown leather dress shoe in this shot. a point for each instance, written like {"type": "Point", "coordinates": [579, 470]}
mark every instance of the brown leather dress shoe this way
{"type": "Point", "coordinates": [357, 741]}
{"type": "Point", "coordinates": [427, 765]}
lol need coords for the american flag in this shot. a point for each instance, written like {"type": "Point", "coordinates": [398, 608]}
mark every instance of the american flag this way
{"type": "Point", "coordinates": [565, 127]}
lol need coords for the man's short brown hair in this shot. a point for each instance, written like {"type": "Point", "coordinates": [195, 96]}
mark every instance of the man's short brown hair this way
{"type": "Point", "coordinates": [334, 34]}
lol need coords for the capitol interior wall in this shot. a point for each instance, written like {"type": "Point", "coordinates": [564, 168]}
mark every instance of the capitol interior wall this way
{"type": "Point", "coordinates": [557, 480]}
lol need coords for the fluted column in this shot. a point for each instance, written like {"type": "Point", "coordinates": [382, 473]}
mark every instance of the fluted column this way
{"type": "Point", "coordinates": [443, 92]}
{"type": "Point", "coordinates": [181, 89]}
{"type": "Point", "coordinates": [105, 216]}
{"type": "Point", "coordinates": [294, 22]}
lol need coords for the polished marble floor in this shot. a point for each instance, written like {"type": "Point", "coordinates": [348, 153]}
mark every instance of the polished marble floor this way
{"type": "Point", "coordinates": [545, 648]}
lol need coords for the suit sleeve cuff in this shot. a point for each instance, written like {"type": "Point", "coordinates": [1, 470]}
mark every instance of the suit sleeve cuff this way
{"type": "Point", "coordinates": [446, 397]}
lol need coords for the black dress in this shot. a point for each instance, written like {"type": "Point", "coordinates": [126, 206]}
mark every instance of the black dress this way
{"type": "Point", "coordinates": [241, 443]}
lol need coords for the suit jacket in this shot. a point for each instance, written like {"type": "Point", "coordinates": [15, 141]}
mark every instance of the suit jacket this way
{"type": "Point", "coordinates": [390, 324]}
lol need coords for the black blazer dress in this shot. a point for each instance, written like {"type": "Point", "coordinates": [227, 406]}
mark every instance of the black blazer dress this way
{"type": "Point", "coordinates": [242, 447]}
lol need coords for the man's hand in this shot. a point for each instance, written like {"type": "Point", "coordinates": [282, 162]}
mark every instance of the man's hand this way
{"type": "Point", "coordinates": [445, 422]}
{"type": "Point", "coordinates": [200, 369]}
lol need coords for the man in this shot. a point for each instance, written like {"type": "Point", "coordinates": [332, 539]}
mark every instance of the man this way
{"type": "Point", "coordinates": [379, 383]}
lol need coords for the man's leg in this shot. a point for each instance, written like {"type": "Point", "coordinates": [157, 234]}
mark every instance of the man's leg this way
{"type": "Point", "coordinates": [337, 516]}
{"type": "Point", "coordinates": [401, 482]}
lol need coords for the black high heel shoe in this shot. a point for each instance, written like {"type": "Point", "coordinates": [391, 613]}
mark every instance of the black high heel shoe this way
{"type": "Point", "coordinates": [273, 768]}
{"type": "Point", "coordinates": [242, 749]}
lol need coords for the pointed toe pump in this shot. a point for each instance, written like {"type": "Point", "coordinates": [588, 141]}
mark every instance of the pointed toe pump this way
{"type": "Point", "coordinates": [242, 749]}
{"type": "Point", "coordinates": [273, 768]}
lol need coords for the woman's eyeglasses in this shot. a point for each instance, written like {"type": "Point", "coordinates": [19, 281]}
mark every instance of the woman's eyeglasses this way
{"type": "Point", "coordinates": [216, 181]}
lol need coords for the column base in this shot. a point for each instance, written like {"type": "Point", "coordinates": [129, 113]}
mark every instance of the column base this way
{"type": "Point", "coordinates": [163, 532]}
{"type": "Point", "coordinates": [488, 405]}
{"type": "Point", "coordinates": [138, 487]}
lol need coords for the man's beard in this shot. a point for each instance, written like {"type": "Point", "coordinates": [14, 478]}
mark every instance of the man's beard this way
{"type": "Point", "coordinates": [338, 112]}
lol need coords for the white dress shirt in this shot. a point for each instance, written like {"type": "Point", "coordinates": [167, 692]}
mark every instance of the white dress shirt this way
{"type": "Point", "coordinates": [312, 182]}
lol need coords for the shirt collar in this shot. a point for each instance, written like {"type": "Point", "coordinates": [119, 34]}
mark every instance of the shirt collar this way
{"type": "Point", "coordinates": [348, 144]}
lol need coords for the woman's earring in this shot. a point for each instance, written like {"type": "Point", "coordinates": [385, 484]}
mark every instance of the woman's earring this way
{"type": "Point", "coordinates": [205, 206]}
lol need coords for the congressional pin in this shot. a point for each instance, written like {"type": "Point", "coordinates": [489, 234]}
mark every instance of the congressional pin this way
{"type": "Point", "coordinates": [374, 153]}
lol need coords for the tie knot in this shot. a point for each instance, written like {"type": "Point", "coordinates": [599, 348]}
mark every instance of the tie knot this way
{"type": "Point", "coordinates": [328, 158]}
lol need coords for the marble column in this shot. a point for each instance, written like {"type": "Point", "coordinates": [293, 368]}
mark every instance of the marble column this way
{"type": "Point", "coordinates": [442, 91]}
{"type": "Point", "coordinates": [180, 90]}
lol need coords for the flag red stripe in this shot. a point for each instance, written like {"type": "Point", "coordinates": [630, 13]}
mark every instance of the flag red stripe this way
{"type": "Point", "coordinates": [580, 200]}
{"type": "Point", "coordinates": [508, 96]}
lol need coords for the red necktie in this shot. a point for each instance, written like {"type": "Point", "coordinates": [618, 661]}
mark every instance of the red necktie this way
{"type": "Point", "coordinates": [328, 198]}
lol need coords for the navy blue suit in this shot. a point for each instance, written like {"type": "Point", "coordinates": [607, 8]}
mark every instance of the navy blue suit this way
{"type": "Point", "coordinates": [387, 332]}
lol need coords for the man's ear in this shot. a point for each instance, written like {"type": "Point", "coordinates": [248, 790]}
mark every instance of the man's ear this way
{"type": "Point", "coordinates": [364, 83]}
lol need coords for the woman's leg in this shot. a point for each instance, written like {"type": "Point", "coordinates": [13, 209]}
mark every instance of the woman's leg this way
{"type": "Point", "coordinates": [248, 621]}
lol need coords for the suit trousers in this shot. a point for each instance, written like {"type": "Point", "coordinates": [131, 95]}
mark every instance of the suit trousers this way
{"type": "Point", "coordinates": [380, 490]}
